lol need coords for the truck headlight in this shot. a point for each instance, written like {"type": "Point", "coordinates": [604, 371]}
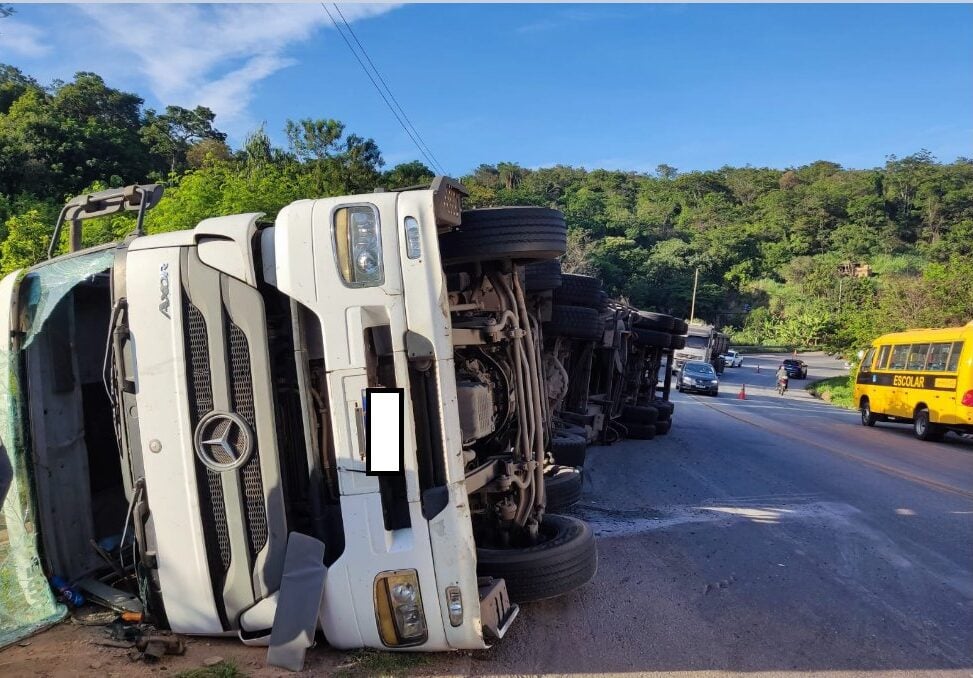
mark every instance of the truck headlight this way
{"type": "Point", "coordinates": [398, 608]}
{"type": "Point", "coordinates": [358, 245]}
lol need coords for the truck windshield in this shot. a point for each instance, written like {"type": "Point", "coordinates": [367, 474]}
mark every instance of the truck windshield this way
{"type": "Point", "coordinates": [696, 342]}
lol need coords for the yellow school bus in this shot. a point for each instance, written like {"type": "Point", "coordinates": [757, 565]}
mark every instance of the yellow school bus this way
{"type": "Point", "coordinates": [921, 376]}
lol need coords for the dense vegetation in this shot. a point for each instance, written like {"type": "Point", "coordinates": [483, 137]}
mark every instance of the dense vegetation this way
{"type": "Point", "coordinates": [768, 243]}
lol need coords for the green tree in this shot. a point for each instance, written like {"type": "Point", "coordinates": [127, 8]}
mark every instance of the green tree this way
{"type": "Point", "coordinates": [171, 135]}
{"type": "Point", "coordinates": [26, 243]}
{"type": "Point", "coordinates": [407, 174]}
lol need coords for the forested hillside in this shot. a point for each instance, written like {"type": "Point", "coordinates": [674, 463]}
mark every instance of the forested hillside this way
{"type": "Point", "coordinates": [768, 243]}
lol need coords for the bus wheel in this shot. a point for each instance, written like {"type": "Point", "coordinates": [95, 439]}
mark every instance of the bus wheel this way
{"type": "Point", "coordinates": [564, 560]}
{"type": "Point", "coordinates": [868, 417]}
{"type": "Point", "coordinates": [924, 429]}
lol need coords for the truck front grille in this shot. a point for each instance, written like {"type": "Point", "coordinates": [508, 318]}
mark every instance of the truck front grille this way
{"type": "Point", "coordinates": [242, 397]}
{"type": "Point", "coordinates": [212, 505]}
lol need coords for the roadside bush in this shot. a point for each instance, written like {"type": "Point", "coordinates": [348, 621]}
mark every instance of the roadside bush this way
{"type": "Point", "coordinates": [835, 390]}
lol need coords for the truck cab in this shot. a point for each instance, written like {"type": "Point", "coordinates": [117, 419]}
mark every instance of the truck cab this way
{"type": "Point", "coordinates": [205, 391]}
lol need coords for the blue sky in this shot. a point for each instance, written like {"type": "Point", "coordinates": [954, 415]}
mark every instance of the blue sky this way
{"type": "Point", "coordinates": [615, 86]}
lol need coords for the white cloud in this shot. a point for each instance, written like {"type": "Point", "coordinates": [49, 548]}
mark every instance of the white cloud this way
{"type": "Point", "coordinates": [22, 39]}
{"type": "Point", "coordinates": [211, 55]}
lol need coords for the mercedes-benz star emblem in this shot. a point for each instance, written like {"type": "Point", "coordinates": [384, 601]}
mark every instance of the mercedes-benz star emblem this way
{"type": "Point", "coordinates": [223, 441]}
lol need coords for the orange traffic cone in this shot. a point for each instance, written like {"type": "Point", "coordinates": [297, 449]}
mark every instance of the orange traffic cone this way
{"type": "Point", "coordinates": [742, 395]}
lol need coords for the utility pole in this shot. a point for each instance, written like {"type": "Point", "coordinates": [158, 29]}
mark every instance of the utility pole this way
{"type": "Point", "coordinates": [692, 311]}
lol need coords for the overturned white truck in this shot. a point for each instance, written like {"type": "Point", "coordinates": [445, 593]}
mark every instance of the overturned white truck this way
{"type": "Point", "coordinates": [206, 390]}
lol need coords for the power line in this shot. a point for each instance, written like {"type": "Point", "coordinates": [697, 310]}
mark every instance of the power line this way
{"type": "Point", "coordinates": [380, 92]}
{"type": "Point", "coordinates": [387, 88]}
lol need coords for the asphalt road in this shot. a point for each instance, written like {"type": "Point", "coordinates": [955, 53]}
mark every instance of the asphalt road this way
{"type": "Point", "coordinates": [772, 534]}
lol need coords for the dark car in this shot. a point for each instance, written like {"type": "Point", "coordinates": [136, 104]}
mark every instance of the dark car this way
{"type": "Point", "coordinates": [796, 369]}
{"type": "Point", "coordinates": [698, 376]}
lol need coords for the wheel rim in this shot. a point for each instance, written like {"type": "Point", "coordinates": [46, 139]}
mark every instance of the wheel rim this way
{"type": "Point", "coordinates": [921, 423]}
{"type": "Point", "coordinates": [866, 413]}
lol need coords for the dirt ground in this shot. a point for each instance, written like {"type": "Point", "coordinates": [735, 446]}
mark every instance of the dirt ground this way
{"type": "Point", "coordinates": [69, 649]}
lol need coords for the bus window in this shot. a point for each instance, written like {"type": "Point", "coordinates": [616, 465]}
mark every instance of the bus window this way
{"type": "Point", "coordinates": [917, 357]}
{"type": "Point", "coordinates": [866, 365]}
{"type": "Point", "coordinates": [899, 355]}
{"type": "Point", "coordinates": [883, 354]}
{"type": "Point", "coordinates": [938, 357]}
{"type": "Point", "coordinates": [954, 356]}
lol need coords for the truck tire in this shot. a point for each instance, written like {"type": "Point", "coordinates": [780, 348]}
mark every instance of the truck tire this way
{"type": "Point", "coordinates": [521, 233]}
{"type": "Point", "coordinates": [639, 431]}
{"type": "Point", "coordinates": [662, 427]}
{"type": "Point", "coordinates": [603, 300]}
{"type": "Point", "coordinates": [665, 407]}
{"type": "Point", "coordinates": [568, 449]}
{"type": "Point", "coordinates": [542, 276]}
{"type": "Point", "coordinates": [651, 337]}
{"type": "Point", "coordinates": [639, 414]}
{"type": "Point", "coordinates": [680, 327]}
{"type": "Point", "coordinates": [563, 488]}
{"type": "Point", "coordinates": [566, 560]}
{"type": "Point", "coordinates": [655, 321]}
{"type": "Point", "coordinates": [578, 290]}
{"type": "Point", "coordinates": [577, 322]}
{"type": "Point", "coordinates": [677, 342]}
{"type": "Point", "coordinates": [575, 429]}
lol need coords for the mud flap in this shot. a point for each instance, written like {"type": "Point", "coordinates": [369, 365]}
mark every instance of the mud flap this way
{"type": "Point", "coordinates": [497, 613]}
{"type": "Point", "coordinates": [298, 603]}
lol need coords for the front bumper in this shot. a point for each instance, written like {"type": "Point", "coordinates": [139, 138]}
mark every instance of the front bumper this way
{"type": "Point", "coordinates": [700, 388]}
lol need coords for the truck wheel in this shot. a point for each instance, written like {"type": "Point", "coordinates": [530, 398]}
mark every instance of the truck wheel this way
{"type": "Point", "coordinates": [655, 321]}
{"type": "Point", "coordinates": [925, 429]}
{"type": "Point", "coordinates": [651, 337]}
{"type": "Point", "coordinates": [662, 427]}
{"type": "Point", "coordinates": [578, 290]}
{"type": "Point", "coordinates": [578, 322]}
{"type": "Point", "coordinates": [575, 429]}
{"type": "Point", "coordinates": [542, 276]}
{"type": "Point", "coordinates": [565, 560]}
{"type": "Point", "coordinates": [568, 449]}
{"type": "Point", "coordinates": [603, 300]}
{"type": "Point", "coordinates": [522, 233]}
{"type": "Point", "coordinates": [680, 327]}
{"type": "Point", "coordinates": [563, 488]}
{"type": "Point", "coordinates": [677, 342]}
{"type": "Point", "coordinates": [665, 409]}
{"type": "Point", "coordinates": [639, 414]}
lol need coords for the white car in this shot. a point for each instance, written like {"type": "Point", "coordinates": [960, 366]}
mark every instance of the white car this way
{"type": "Point", "coordinates": [733, 359]}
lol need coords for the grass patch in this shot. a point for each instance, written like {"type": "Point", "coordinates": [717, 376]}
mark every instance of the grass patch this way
{"type": "Point", "coordinates": [835, 390]}
{"type": "Point", "coordinates": [384, 664]}
{"type": "Point", "coordinates": [222, 670]}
